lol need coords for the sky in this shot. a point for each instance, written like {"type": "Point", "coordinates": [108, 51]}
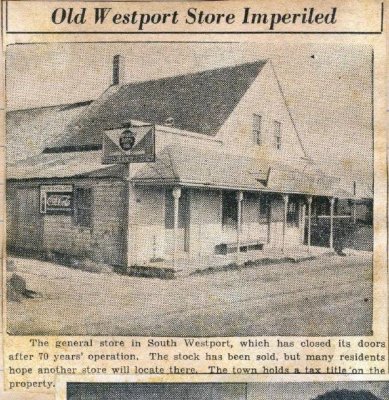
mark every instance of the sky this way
{"type": "Point", "coordinates": [327, 87]}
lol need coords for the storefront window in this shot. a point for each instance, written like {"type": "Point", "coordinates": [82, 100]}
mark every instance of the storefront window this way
{"type": "Point", "coordinates": [83, 207]}
{"type": "Point", "coordinates": [230, 209]}
{"type": "Point", "coordinates": [264, 208]}
{"type": "Point", "coordinates": [292, 217]}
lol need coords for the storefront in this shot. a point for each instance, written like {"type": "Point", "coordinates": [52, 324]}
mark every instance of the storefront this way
{"type": "Point", "coordinates": [234, 177]}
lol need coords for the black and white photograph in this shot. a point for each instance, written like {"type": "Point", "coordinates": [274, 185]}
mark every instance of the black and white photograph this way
{"type": "Point", "coordinates": [190, 189]}
{"type": "Point", "coordinates": [230, 391]}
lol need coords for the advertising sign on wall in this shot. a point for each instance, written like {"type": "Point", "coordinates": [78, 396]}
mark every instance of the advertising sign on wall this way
{"type": "Point", "coordinates": [56, 199]}
{"type": "Point", "coordinates": [129, 144]}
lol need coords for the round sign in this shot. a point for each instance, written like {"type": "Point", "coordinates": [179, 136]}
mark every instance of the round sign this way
{"type": "Point", "coordinates": [127, 140]}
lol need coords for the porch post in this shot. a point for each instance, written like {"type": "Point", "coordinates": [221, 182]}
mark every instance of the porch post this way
{"type": "Point", "coordinates": [239, 199]}
{"type": "Point", "coordinates": [354, 211]}
{"type": "Point", "coordinates": [332, 201]}
{"type": "Point", "coordinates": [309, 200]}
{"type": "Point", "coordinates": [176, 196]}
{"type": "Point", "coordinates": [302, 221]}
{"type": "Point", "coordinates": [130, 228]}
{"type": "Point", "coordinates": [286, 199]}
{"type": "Point", "coordinates": [269, 216]}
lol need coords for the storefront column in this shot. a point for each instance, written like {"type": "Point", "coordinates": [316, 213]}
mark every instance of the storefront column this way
{"type": "Point", "coordinates": [332, 202]}
{"type": "Point", "coordinates": [309, 201]}
{"type": "Point", "coordinates": [239, 199]}
{"type": "Point", "coordinates": [286, 199]}
{"type": "Point", "coordinates": [176, 196]}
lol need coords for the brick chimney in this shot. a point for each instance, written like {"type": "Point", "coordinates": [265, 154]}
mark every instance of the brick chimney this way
{"type": "Point", "coordinates": [118, 70]}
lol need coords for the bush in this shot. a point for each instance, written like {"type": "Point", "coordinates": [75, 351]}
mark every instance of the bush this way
{"type": "Point", "coordinates": [142, 271]}
{"type": "Point", "coordinates": [18, 283]}
{"type": "Point", "coordinates": [17, 289]}
{"type": "Point", "coordinates": [12, 294]}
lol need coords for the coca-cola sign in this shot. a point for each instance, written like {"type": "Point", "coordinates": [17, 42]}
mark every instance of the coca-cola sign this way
{"type": "Point", "coordinates": [56, 199]}
{"type": "Point", "coordinates": [59, 200]}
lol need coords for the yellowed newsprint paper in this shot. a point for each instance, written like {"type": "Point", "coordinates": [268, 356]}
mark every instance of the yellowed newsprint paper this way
{"type": "Point", "coordinates": [194, 192]}
{"type": "Point", "coordinates": [232, 387]}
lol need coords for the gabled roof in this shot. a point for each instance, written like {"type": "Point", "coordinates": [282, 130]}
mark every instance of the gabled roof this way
{"type": "Point", "coordinates": [198, 102]}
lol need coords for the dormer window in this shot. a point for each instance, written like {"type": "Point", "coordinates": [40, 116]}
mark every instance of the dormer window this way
{"type": "Point", "coordinates": [257, 129]}
{"type": "Point", "coordinates": [277, 135]}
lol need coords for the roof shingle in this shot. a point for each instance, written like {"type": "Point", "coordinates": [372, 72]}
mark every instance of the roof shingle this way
{"type": "Point", "coordinates": [198, 102]}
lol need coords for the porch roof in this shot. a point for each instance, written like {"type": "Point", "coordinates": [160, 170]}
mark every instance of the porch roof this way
{"type": "Point", "coordinates": [187, 166]}
{"type": "Point", "coordinates": [202, 167]}
{"type": "Point", "coordinates": [63, 165]}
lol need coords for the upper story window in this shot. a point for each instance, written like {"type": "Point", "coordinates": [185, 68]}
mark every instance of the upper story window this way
{"type": "Point", "coordinates": [257, 129]}
{"type": "Point", "coordinates": [277, 135]}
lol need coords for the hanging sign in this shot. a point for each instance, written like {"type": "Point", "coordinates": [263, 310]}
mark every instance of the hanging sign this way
{"type": "Point", "coordinates": [131, 144]}
{"type": "Point", "coordinates": [56, 199]}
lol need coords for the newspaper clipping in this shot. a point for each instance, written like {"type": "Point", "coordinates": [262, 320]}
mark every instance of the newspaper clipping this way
{"type": "Point", "coordinates": [194, 387]}
{"type": "Point", "coordinates": [194, 200]}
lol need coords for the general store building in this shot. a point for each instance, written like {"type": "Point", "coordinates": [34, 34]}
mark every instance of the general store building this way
{"type": "Point", "coordinates": [230, 174]}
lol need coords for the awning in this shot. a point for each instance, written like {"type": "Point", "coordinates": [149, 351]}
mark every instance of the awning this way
{"type": "Point", "coordinates": [300, 182]}
{"type": "Point", "coordinates": [202, 167]}
{"type": "Point", "coordinates": [191, 166]}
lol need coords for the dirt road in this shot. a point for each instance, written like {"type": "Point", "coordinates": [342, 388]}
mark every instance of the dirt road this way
{"type": "Point", "coordinates": [327, 296]}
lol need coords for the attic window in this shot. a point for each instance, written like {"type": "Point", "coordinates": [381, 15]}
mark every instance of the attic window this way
{"type": "Point", "coordinates": [169, 121]}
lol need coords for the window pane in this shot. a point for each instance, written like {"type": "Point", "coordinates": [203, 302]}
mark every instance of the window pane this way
{"type": "Point", "coordinates": [277, 128]}
{"type": "Point", "coordinates": [264, 208]}
{"type": "Point", "coordinates": [277, 134]}
{"type": "Point", "coordinates": [292, 217]}
{"type": "Point", "coordinates": [169, 210]}
{"type": "Point", "coordinates": [257, 128]}
{"type": "Point", "coordinates": [84, 218]}
{"type": "Point", "coordinates": [230, 208]}
{"type": "Point", "coordinates": [83, 207]}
